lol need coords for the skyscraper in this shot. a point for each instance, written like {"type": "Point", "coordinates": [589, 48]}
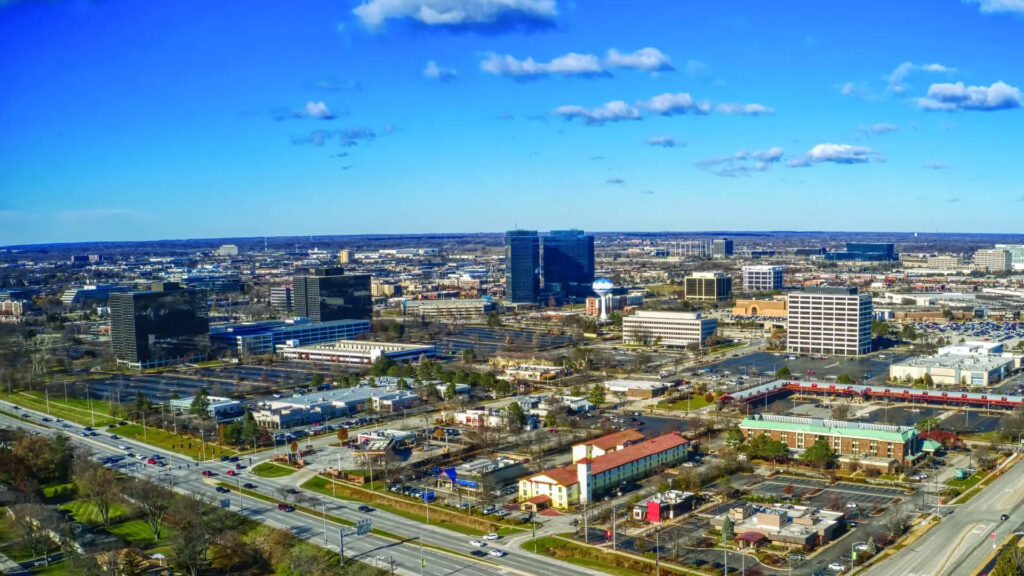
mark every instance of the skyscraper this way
{"type": "Point", "coordinates": [568, 259]}
{"type": "Point", "coordinates": [721, 248]}
{"type": "Point", "coordinates": [160, 327]}
{"type": "Point", "coordinates": [522, 265]}
{"type": "Point", "coordinates": [829, 321]}
{"type": "Point", "coordinates": [330, 294]}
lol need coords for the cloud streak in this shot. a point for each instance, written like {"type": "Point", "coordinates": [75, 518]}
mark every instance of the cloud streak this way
{"type": "Point", "coordinates": [645, 59]}
{"type": "Point", "coordinates": [836, 154]}
{"type": "Point", "coordinates": [995, 6]}
{"type": "Point", "coordinates": [571, 64]}
{"type": "Point", "coordinates": [879, 128]}
{"type": "Point", "coordinates": [439, 73]}
{"type": "Point", "coordinates": [669, 104]}
{"type": "Point", "coordinates": [663, 142]}
{"type": "Point", "coordinates": [613, 111]}
{"type": "Point", "coordinates": [744, 109]}
{"type": "Point", "coordinates": [456, 14]}
{"type": "Point", "coordinates": [897, 78]}
{"type": "Point", "coordinates": [742, 163]}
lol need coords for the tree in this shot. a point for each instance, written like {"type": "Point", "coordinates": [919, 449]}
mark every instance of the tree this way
{"type": "Point", "coordinates": [153, 501]}
{"type": "Point", "coordinates": [317, 380]}
{"type": "Point", "coordinates": [783, 373]}
{"type": "Point", "coordinates": [250, 431]}
{"type": "Point", "coordinates": [494, 320]}
{"type": "Point", "coordinates": [879, 328]}
{"type": "Point", "coordinates": [872, 547]}
{"type": "Point", "coordinates": [762, 446]}
{"type": "Point", "coordinates": [450, 392]}
{"type": "Point", "coordinates": [515, 419]}
{"type": "Point", "coordinates": [728, 530]}
{"type": "Point", "coordinates": [928, 423]}
{"type": "Point", "coordinates": [734, 436]}
{"type": "Point", "coordinates": [840, 412]}
{"type": "Point", "coordinates": [99, 485]}
{"type": "Point", "coordinates": [844, 379]}
{"type": "Point", "coordinates": [928, 381]}
{"type": "Point", "coordinates": [381, 365]}
{"type": "Point", "coordinates": [1010, 561]}
{"type": "Point", "coordinates": [201, 404]}
{"type": "Point", "coordinates": [230, 551]}
{"type": "Point", "coordinates": [468, 356]}
{"type": "Point", "coordinates": [342, 434]}
{"type": "Point", "coordinates": [597, 395]}
{"type": "Point", "coordinates": [819, 454]}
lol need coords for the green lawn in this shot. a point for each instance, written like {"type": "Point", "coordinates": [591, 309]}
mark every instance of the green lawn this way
{"type": "Point", "coordinates": [696, 403]}
{"type": "Point", "coordinates": [271, 470]}
{"type": "Point", "coordinates": [191, 447]}
{"type": "Point", "coordinates": [85, 512]}
{"type": "Point", "coordinates": [138, 533]}
{"type": "Point", "coordinates": [59, 491]}
{"type": "Point", "coordinates": [546, 543]}
{"type": "Point", "coordinates": [967, 482]}
{"type": "Point", "coordinates": [74, 409]}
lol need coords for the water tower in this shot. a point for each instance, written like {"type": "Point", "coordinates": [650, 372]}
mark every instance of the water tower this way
{"type": "Point", "coordinates": [603, 288]}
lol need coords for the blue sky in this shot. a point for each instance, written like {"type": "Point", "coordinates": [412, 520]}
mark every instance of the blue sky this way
{"type": "Point", "coordinates": [124, 120]}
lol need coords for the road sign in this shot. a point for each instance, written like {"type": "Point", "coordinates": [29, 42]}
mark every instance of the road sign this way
{"type": "Point", "coordinates": [225, 503]}
{"type": "Point", "coordinates": [365, 525]}
{"type": "Point", "coordinates": [993, 536]}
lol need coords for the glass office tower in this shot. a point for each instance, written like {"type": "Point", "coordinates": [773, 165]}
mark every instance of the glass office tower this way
{"type": "Point", "coordinates": [160, 327]}
{"type": "Point", "coordinates": [569, 263]}
{"type": "Point", "coordinates": [522, 265]}
{"type": "Point", "coordinates": [329, 295]}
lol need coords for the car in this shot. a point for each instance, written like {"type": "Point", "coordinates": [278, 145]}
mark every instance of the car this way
{"type": "Point", "coordinates": [837, 567]}
{"type": "Point", "coordinates": [365, 508]}
{"type": "Point", "coordinates": [862, 546]}
{"type": "Point", "coordinates": [65, 425]}
{"type": "Point", "coordinates": [851, 523]}
{"type": "Point", "coordinates": [285, 507]}
{"type": "Point", "coordinates": [25, 415]}
{"type": "Point", "coordinates": [87, 428]}
{"type": "Point", "coordinates": [478, 553]}
{"type": "Point", "coordinates": [851, 504]}
{"type": "Point", "coordinates": [292, 491]}
{"type": "Point", "coordinates": [45, 419]}
{"type": "Point", "coordinates": [222, 489]}
{"type": "Point", "coordinates": [150, 461]}
{"type": "Point", "coordinates": [207, 473]}
{"type": "Point", "coordinates": [248, 486]}
{"type": "Point", "coordinates": [114, 436]}
{"type": "Point", "coordinates": [233, 459]}
{"type": "Point", "coordinates": [16, 407]}
{"type": "Point", "coordinates": [496, 552]}
{"type": "Point", "coordinates": [491, 536]}
{"type": "Point", "coordinates": [797, 557]}
{"type": "Point", "coordinates": [124, 447]}
{"type": "Point", "coordinates": [223, 458]}
{"type": "Point", "coordinates": [477, 543]}
{"type": "Point", "coordinates": [1004, 517]}
{"type": "Point", "coordinates": [490, 510]}
{"type": "Point", "coordinates": [232, 473]}
{"type": "Point", "coordinates": [239, 466]}
{"type": "Point", "coordinates": [110, 426]}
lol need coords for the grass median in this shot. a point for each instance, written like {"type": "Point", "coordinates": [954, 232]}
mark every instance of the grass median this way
{"type": "Point", "coordinates": [78, 410]}
{"type": "Point", "coordinates": [271, 470]}
{"type": "Point", "coordinates": [594, 558]}
{"type": "Point", "coordinates": [184, 445]}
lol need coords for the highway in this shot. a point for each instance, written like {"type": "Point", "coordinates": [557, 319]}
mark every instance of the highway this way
{"type": "Point", "coordinates": [961, 541]}
{"type": "Point", "coordinates": [184, 475]}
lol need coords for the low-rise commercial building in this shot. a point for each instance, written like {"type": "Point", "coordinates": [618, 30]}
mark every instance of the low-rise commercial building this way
{"type": "Point", "coordinates": [255, 338]}
{"type": "Point", "coordinates": [677, 329]}
{"type": "Point", "coordinates": [770, 308]}
{"type": "Point", "coordinates": [219, 408]}
{"type": "Point", "coordinates": [589, 478]}
{"type": "Point", "coordinates": [360, 352]}
{"type": "Point", "coordinates": [878, 445]}
{"type": "Point", "coordinates": [797, 526]}
{"type": "Point", "coordinates": [635, 388]}
{"type": "Point", "coordinates": [954, 369]}
{"type": "Point", "coordinates": [663, 507]}
{"type": "Point", "coordinates": [483, 474]}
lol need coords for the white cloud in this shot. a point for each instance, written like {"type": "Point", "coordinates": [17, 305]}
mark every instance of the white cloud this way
{"type": "Point", "coordinates": [645, 59]}
{"type": "Point", "coordinates": [744, 109]}
{"type": "Point", "coordinates": [837, 154]}
{"type": "Point", "coordinates": [742, 163]}
{"type": "Point", "coordinates": [609, 112]}
{"type": "Point", "coordinates": [572, 64]}
{"type": "Point", "coordinates": [680, 103]}
{"type": "Point", "coordinates": [454, 13]}
{"type": "Point", "coordinates": [664, 142]}
{"type": "Point", "coordinates": [854, 90]}
{"type": "Point", "coordinates": [319, 110]}
{"type": "Point", "coordinates": [897, 77]}
{"type": "Point", "coordinates": [435, 72]}
{"type": "Point", "coordinates": [952, 97]}
{"type": "Point", "coordinates": [990, 6]}
{"type": "Point", "coordinates": [879, 128]}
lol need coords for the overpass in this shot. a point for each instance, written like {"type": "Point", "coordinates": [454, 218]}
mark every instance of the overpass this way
{"type": "Point", "coordinates": [763, 392]}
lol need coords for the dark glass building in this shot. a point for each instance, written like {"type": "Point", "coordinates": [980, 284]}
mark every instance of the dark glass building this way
{"type": "Point", "coordinates": [522, 265]}
{"type": "Point", "coordinates": [721, 247]}
{"type": "Point", "coordinates": [329, 294]}
{"type": "Point", "coordinates": [167, 325]}
{"type": "Point", "coordinates": [866, 252]}
{"type": "Point", "coordinates": [568, 259]}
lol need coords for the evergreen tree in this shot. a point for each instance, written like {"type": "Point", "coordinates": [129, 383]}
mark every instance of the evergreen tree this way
{"type": "Point", "coordinates": [201, 404]}
{"type": "Point", "coordinates": [728, 530]}
{"type": "Point", "coordinates": [515, 419]}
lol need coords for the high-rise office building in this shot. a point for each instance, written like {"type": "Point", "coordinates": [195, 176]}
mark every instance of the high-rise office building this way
{"type": "Point", "coordinates": [721, 248]}
{"type": "Point", "coordinates": [281, 298]}
{"type": "Point", "coordinates": [522, 266]}
{"type": "Point", "coordinates": [763, 277]}
{"type": "Point", "coordinates": [1016, 254]}
{"type": "Point", "coordinates": [330, 294]}
{"type": "Point", "coordinates": [568, 263]}
{"type": "Point", "coordinates": [829, 321]}
{"type": "Point", "coordinates": [345, 256]}
{"type": "Point", "coordinates": [708, 286]}
{"type": "Point", "coordinates": [160, 327]}
{"type": "Point", "coordinates": [993, 260]}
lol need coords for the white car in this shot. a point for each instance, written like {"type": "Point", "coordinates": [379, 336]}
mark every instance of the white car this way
{"type": "Point", "coordinates": [124, 447]}
{"type": "Point", "coordinates": [862, 546]}
{"type": "Point", "coordinates": [837, 567]}
{"type": "Point", "coordinates": [496, 552]}
{"type": "Point", "coordinates": [851, 504]}
{"type": "Point", "coordinates": [477, 543]}
{"type": "Point", "coordinates": [491, 536]}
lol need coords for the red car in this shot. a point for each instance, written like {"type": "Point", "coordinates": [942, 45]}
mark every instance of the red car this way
{"type": "Point", "coordinates": [285, 507]}
{"type": "Point", "coordinates": [811, 372]}
{"type": "Point", "coordinates": [231, 472]}
{"type": "Point", "coordinates": [150, 461]}
{"type": "Point", "coordinates": [207, 473]}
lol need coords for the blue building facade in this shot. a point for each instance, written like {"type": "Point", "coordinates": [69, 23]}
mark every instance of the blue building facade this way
{"type": "Point", "coordinates": [568, 260]}
{"type": "Point", "coordinates": [522, 266]}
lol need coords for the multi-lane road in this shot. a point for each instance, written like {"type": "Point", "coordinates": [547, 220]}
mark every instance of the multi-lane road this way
{"type": "Point", "coordinates": [959, 544]}
{"type": "Point", "coordinates": [404, 555]}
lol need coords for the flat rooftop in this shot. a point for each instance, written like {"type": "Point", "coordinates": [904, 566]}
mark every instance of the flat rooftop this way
{"type": "Point", "coordinates": [961, 361]}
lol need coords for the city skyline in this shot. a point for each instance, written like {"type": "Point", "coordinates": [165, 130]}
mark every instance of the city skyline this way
{"type": "Point", "coordinates": [144, 122]}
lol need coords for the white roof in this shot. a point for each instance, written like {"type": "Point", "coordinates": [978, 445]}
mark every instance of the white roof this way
{"type": "Point", "coordinates": [620, 384]}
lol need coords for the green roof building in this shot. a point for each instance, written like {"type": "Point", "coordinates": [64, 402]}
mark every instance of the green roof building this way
{"type": "Point", "coordinates": [860, 440]}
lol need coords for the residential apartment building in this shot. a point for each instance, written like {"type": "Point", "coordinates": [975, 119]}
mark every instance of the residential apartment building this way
{"type": "Point", "coordinates": [998, 261]}
{"type": "Point", "coordinates": [764, 278]}
{"type": "Point", "coordinates": [649, 327]}
{"type": "Point", "coordinates": [590, 478]}
{"type": "Point", "coordinates": [829, 321]}
{"type": "Point", "coordinates": [861, 440]}
{"type": "Point", "coordinates": [708, 286]}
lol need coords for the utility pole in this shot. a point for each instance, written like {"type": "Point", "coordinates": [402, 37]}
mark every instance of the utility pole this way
{"type": "Point", "coordinates": [613, 528]}
{"type": "Point", "coordinates": [657, 553]}
{"type": "Point", "coordinates": [324, 504]}
{"type": "Point", "coordinates": [46, 389]}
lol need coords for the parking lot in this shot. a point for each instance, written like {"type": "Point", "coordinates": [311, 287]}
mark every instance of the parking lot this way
{"type": "Point", "coordinates": [862, 495]}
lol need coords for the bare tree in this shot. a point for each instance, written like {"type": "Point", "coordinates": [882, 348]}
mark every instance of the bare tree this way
{"type": "Point", "coordinates": [153, 501]}
{"type": "Point", "coordinates": [99, 484]}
